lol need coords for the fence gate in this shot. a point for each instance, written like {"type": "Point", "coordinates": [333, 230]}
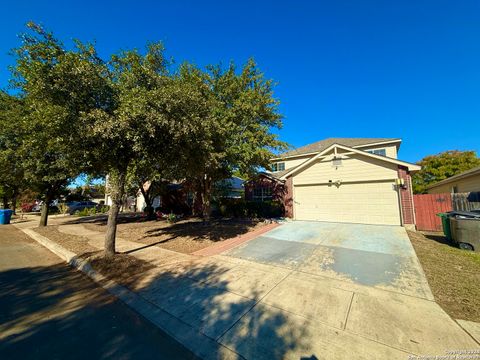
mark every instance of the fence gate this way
{"type": "Point", "coordinates": [426, 208]}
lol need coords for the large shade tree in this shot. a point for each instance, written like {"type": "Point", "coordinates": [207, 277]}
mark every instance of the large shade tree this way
{"type": "Point", "coordinates": [58, 86]}
{"type": "Point", "coordinates": [134, 127]}
{"type": "Point", "coordinates": [224, 124]}
{"type": "Point", "coordinates": [12, 180]}
{"type": "Point", "coordinates": [442, 166]}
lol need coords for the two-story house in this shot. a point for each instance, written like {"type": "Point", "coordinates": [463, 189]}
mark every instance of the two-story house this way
{"type": "Point", "coordinates": [355, 180]}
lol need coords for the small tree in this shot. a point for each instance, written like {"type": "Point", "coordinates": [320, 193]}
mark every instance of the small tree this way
{"type": "Point", "coordinates": [442, 166]}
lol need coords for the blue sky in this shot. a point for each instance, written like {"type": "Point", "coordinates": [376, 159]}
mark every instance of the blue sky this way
{"type": "Point", "coordinates": [408, 69]}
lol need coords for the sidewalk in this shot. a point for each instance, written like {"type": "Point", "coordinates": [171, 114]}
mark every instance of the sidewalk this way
{"type": "Point", "coordinates": [257, 311]}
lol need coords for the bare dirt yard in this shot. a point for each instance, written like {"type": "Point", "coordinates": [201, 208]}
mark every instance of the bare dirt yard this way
{"type": "Point", "coordinates": [185, 236]}
{"type": "Point", "coordinates": [123, 268]}
{"type": "Point", "coordinates": [453, 274]}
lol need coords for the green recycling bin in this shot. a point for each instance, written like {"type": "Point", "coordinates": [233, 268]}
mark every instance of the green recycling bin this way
{"type": "Point", "coordinates": [5, 216]}
{"type": "Point", "coordinates": [446, 225]}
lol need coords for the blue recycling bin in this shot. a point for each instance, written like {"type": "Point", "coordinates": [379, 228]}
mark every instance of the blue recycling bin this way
{"type": "Point", "coordinates": [5, 216]}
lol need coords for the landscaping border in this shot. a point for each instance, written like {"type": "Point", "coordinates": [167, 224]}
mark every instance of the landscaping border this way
{"type": "Point", "coordinates": [234, 242]}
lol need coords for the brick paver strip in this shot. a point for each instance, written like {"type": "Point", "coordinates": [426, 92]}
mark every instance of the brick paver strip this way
{"type": "Point", "coordinates": [233, 242]}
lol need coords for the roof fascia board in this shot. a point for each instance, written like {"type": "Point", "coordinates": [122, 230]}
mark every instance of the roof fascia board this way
{"type": "Point", "coordinates": [378, 143]}
{"type": "Point", "coordinates": [453, 178]}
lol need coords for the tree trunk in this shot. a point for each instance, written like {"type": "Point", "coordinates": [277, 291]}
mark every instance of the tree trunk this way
{"type": "Point", "coordinates": [14, 200]}
{"type": "Point", "coordinates": [44, 214]}
{"type": "Point", "coordinates": [148, 202]}
{"type": "Point", "coordinates": [206, 193]}
{"type": "Point", "coordinates": [111, 230]}
{"type": "Point", "coordinates": [117, 188]}
{"type": "Point", "coordinates": [5, 202]}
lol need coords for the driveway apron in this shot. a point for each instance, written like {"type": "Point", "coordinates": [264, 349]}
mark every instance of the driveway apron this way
{"type": "Point", "coordinates": [372, 255]}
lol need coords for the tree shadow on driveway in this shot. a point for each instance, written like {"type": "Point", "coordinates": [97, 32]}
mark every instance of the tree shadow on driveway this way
{"type": "Point", "coordinates": [56, 313]}
{"type": "Point", "coordinates": [221, 302]}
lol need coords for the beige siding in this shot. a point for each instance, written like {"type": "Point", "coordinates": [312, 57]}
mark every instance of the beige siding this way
{"type": "Point", "coordinates": [368, 203]}
{"type": "Point", "coordinates": [290, 163]}
{"type": "Point", "coordinates": [390, 151]}
{"type": "Point", "coordinates": [467, 184]}
{"type": "Point", "coordinates": [355, 168]}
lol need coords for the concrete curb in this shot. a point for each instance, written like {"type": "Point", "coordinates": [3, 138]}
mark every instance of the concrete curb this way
{"type": "Point", "coordinates": [201, 345]}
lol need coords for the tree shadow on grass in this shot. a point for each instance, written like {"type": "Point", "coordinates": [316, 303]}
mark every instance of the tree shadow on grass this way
{"type": "Point", "coordinates": [123, 218]}
{"type": "Point", "coordinates": [440, 238]}
{"type": "Point", "coordinates": [215, 230]}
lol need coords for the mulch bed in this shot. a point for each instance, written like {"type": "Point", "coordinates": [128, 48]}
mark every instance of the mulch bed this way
{"type": "Point", "coordinates": [453, 275]}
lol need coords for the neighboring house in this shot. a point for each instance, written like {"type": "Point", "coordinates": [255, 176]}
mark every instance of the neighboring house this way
{"type": "Point", "coordinates": [231, 188]}
{"type": "Point", "coordinates": [228, 188]}
{"type": "Point", "coordinates": [354, 180]}
{"type": "Point", "coordinates": [468, 181]}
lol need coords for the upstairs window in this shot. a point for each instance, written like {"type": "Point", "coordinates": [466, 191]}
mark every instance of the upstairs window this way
{"type": "Point", "coordinates": [280, 166]}
{"type": "Point", "coordinates": [381, 152]}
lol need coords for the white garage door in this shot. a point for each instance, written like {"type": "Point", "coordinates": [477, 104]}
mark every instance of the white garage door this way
{"type": "Point", "coordinates": [365, 203]}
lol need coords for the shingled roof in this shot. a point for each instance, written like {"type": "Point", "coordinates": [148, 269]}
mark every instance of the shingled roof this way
{"type": "Point", "coordinates": [323, 144]}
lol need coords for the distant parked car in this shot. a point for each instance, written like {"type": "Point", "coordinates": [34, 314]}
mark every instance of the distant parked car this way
{"type": "Point", "coordinates": [28, 207]}
{"type": "Point", "coordinates": [75, 206]}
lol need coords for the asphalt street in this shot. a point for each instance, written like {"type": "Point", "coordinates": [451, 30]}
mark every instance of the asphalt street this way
{"type": "Point", "coordinates": [50, 311]}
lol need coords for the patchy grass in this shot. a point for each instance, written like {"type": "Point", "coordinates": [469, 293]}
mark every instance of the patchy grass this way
{"type": "Point", "coordinates": [453, 275]}
{"type": "Point", "coordinates": [185, 236]}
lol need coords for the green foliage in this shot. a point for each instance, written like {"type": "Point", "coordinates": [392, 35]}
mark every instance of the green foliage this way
{"type": "Point", "coordinates": [171, 218]}
{"type": "Point", "coordinates": [442, 166]}
{"type": "Point", "coordinates": [58, 88]}
{"type": "Point", "coordinates": [92, 211]}
{"type": "Point", "coordinates": [223, 123]}
{"type": "Point", "coordinates": [254, 209]}
{"type": "Point", "coordinates": [62, 208]}
{"type": "Point", "coordinates": [12, 179]}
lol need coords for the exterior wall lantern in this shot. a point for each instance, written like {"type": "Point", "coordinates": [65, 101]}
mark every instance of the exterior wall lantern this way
{"type": "Point", "coordinates": [400, 183]}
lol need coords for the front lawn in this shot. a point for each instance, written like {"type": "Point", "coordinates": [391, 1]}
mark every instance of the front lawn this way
{"type": "Point", "coordinates": [186, 236]}
{"type": "Point", "coordinates": [453, 275]}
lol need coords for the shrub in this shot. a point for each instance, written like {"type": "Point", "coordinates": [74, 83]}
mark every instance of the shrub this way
{"type": "Point", "coordinates": [256, 209]}
{"type": "Point", "coordinates": [63, 208]}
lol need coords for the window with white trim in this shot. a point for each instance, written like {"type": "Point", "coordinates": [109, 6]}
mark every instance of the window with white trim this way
{"type": "Point", "coordinates": [278, 166]}
{"type": "Point", "coordinates": [381, 152]}
{"type": "Point", "coordinates": [262, 193]}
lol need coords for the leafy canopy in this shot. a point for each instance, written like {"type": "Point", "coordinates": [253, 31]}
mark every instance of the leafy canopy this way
{"type": "Point", "coordinates": [442, 166]}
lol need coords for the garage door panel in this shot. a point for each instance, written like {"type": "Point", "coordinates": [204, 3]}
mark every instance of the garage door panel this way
{"type": "Point", "coordinates": [370, 203]}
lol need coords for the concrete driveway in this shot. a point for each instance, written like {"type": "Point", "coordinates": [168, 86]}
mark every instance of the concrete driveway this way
{"type": "Point", "coordinates": [372, 255]}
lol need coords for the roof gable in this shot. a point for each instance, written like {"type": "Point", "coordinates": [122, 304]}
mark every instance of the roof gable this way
{"type": "Point", "coordinates": [334, 147]}
{"type": "Point", "coordinates": [324, 144]}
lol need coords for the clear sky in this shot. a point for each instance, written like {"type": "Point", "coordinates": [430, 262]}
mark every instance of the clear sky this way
{"type": "Point", "coordinates": [408, 69]}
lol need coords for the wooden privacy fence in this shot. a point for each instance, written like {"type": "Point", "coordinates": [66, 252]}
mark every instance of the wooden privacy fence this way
{"type": "Point", "coordinates": [466, 201]}
{"type": "Point", "coordinates": [427, 206]}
